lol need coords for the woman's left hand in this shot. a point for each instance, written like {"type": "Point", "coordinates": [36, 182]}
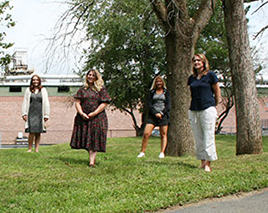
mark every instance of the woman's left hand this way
{"type": "Point", "coordinates": [24, 117]}
{"type": "Point", "coordinates": [91, 115]}
{"type": "Point", "coordinates": [100, 108]}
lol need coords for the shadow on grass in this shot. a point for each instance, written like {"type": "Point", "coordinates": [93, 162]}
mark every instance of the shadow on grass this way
{"type": "Point", "coordinates": [191, 166]}
{"type": "Point", "coordinates": [68, 160]}
{"type": "Point", "coordinates": [181, 164]}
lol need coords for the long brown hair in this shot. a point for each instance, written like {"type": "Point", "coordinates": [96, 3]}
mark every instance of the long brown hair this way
{"type": "Point", "coordinates": [205, 62]}
{"type": "Point", "coordinates": [39, 85]}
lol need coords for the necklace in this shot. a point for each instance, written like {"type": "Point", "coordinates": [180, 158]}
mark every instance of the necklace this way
{"type": "Point", "coordinates": [200, 75]}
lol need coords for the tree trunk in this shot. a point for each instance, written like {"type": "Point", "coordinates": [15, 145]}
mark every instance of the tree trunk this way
{"type": "Point", "coordinates": [228, 106]}
{"type": "Point", "coordinates": [180, 137]}
{"type": "Point", "coordinates": [249, 138]}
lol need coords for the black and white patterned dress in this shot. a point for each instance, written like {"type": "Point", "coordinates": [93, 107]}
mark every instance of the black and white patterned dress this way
{"type": "Point", "coordinates": [35, 114]}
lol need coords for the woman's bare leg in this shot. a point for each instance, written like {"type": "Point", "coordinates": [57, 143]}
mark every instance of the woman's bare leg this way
{"type": "Point", "coordinates": [92, 157]}
{"type": "Point", "coordinates": [37, 141]}
{"type": "Point", "coordinates": [30, 142]}
{"type": "Point", "coordinates": [147, 133]}
{"type": "Point", "coordinates": [203, 163]}
{"type": "Point", "coordinates": [163, 134]}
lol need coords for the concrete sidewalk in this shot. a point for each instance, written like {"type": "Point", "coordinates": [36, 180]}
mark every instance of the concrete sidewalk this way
{"type": "Point", "coordinates": [256, 202]}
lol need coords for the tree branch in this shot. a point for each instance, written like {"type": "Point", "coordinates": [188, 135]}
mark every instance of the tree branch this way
{"type": "Point", "coordinates": [161, 11]}
{"type": "Point", "coordinates": [130, 112]}
{"type": "Point", "coordinates": [249, 1]}
{"type": "Point", "coordinates": [203, 14]}
{"type": "Point", "coordinates": [66, 31]}
{"type": "Point", "coordinates": [263, 29]}
{"type": "Point", "coordinates": [259, 7]}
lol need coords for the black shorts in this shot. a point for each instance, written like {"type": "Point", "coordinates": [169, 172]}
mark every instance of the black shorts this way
{"type": "Point", "coordinates": [157, 121]}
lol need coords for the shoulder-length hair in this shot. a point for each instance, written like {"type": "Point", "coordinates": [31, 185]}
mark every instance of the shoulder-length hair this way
{"type": "Point", "coordinates": [39, 85]}
{"type": "Point", "coordinates": [154, 82]}
{"type": "Point", "coordinates": [98, 84]}
{"type": "Point", "coordinates": [204, 60]}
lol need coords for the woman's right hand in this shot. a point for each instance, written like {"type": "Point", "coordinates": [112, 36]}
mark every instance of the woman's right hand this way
{"type": "Point", "coordinates": [80, 110]}
{"type": "Point", "coordinates": [158, 115]}
{"type": "Point", "coordinates": [84, 116]}
{"type": "Point", "coordinates": [24, 117]}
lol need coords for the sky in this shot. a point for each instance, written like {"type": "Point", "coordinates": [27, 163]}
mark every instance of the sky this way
{"type": "Point", "coordinates": [257, 21]}
{"type": "Point", "coordinates": [35, 25]}
{"type": "Point", "coordinates": [36, 20]}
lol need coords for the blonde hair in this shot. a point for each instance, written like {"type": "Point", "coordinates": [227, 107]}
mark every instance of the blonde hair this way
{"type": "Point", "coordinates": [205, 62]}
{"type": "Point", "coordinates": [154, 82]}
{"type": "Point", "coordinates": [98, 84]}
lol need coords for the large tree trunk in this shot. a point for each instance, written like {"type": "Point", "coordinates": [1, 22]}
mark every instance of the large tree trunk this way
{"type": "Point", "coordinates": [180, 137]}
{"type": "Point", "coordinates": [249, 138]}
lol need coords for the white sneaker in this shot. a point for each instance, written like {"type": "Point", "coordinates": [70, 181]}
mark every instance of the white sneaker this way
{"type": "Point", "coordinates": [142, 154]}
{"type": "Point", "coordinates": [161, 155]}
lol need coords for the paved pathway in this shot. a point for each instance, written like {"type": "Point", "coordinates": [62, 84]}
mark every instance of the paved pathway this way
{"type": "Point", "coordinates": [256, 202]}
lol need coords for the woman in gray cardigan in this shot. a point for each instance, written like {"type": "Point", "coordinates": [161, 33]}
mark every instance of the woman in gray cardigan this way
{"type": "Point", "coordinates": [35, 111]}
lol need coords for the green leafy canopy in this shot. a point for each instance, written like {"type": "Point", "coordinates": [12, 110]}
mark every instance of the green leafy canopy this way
{"type": "Point", "coordinates": [5, 22]}
{"type": "Point", "coordinates": [128, 47]}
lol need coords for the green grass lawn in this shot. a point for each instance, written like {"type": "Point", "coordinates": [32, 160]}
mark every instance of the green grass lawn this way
{"type": "Point", "coordinates": [58, 179]}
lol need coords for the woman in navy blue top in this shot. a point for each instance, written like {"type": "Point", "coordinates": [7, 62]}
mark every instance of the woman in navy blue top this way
{"type": "Point", "coordinates": [205, 94]}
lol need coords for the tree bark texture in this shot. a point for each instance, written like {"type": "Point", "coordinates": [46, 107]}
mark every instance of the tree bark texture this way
{"type": "Point", "coordinates": [249, 135]}
{"type": "Point", "coordinates": [180, 137]}
{"type": "Point", "coordinates": [182, 33]}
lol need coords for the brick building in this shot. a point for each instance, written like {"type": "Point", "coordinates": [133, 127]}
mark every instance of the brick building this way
{"type": "Point", "coordinates": [63, 111]}
{"type": "Point", "coordinates": [60, 89]}
{"type": "Point", "coordinates": [61, 120]}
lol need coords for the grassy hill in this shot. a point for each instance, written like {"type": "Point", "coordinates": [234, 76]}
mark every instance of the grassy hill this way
{"type": "Point", "coordinates": [58, 179]}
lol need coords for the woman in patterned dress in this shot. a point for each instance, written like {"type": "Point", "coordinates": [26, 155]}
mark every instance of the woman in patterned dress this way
{"type": "Point", "coordinates": [35, 111]}
{"type": "Point", "coordinates": [91, 124]}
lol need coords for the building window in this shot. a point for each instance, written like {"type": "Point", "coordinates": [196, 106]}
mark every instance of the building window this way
{"type": "Point", "coordinates": [15, 89]}
{"type": "Point", "coordinates": [63, 89]}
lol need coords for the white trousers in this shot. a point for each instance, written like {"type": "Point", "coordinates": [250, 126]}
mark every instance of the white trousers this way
{"type": "Point", "coordinates": [203, 126]}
